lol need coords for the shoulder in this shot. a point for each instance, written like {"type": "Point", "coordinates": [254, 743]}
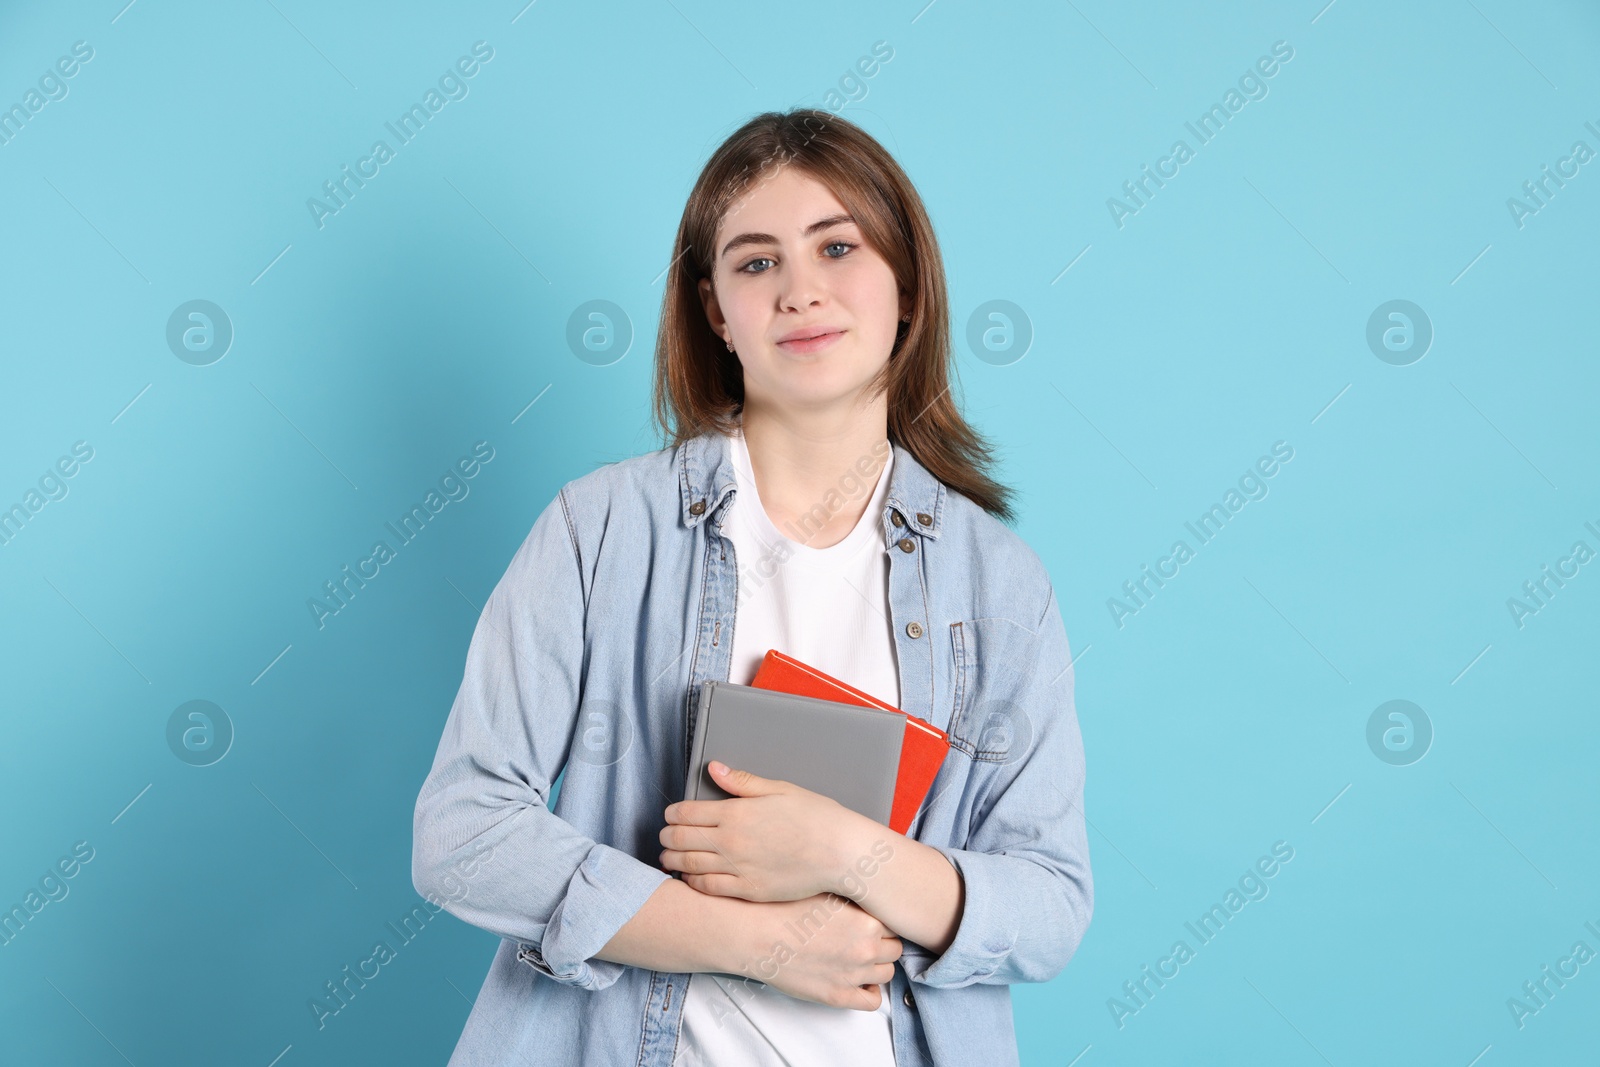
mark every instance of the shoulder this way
{"type": "Point", "coordinates": [1008, 578]}
{"type": "Point", "coordinates": [642, 486]}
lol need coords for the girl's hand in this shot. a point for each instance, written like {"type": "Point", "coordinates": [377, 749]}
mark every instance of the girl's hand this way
{"type": "Point", "coordinates": [846, 955]}
{"type": "Point", "coordinates": [772, 841]}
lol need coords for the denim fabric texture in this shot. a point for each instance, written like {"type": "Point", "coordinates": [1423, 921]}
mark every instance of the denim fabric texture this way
{"type": "Point", "coordinates": [588, 655]}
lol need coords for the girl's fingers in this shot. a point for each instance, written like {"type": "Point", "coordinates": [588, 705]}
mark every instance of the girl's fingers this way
{"type": "Point", "coordinates": [694, 862]}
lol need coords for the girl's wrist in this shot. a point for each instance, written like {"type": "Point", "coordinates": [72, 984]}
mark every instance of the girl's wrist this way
{"type": "Point", "coordinates": [749, 936]}
{"type": "Point", "coordinates": [857, 850]}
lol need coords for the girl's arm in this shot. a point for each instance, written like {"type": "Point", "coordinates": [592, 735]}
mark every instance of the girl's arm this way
{"type": "Point", "coordinates": [1028, 893]}
{"type": "Point", "coordinates": [1013, 903]}
{"type": "Point", "coordinates": [844, 956]}
{"type": "Point", "coordinates": [916, 892]}
{"type": "Point", "coordinates": [681, 930]}
{"type": "Point", "coordinates": [484, 840]}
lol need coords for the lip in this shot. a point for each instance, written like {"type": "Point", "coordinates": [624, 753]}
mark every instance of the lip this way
{"type": "Point", "coordinates": [810, 339]}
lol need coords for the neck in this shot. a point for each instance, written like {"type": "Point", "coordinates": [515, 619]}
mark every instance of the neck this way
{"type": "Point", "coordinates": [815, 471]}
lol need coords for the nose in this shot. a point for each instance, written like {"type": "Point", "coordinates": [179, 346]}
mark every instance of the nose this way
{"type": "Point", "coordinates": [803, 286]}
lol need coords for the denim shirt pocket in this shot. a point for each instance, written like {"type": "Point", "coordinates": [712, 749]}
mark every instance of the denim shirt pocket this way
{"type": "Point", "coordinates": [988, 720]}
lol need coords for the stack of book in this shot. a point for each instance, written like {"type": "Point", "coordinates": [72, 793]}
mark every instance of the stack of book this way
{"type": "Point", "coordinates": [796, 724]}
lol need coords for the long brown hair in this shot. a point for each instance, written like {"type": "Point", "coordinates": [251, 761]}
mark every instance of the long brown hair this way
{"type": "Point", "coordinates": [699, 384]}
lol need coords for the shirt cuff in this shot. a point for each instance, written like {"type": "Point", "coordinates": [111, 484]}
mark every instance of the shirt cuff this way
{"type": "Point", "coordinates": [987, 932]}
{"type": "Point", "coordinates": [607, 889]}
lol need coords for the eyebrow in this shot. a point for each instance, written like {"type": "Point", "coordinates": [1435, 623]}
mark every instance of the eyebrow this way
{"type": "Point", "coordinates": [767, 238]}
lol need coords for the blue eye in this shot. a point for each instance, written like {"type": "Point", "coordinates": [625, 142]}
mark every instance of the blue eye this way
{"type": "Point", "coordinates": [846, 245]}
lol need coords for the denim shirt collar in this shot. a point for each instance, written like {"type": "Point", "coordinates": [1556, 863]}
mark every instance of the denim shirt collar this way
{"type": "Point", "coordinates": [706, 476]}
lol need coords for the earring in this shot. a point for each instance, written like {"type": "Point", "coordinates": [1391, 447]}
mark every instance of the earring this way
{"type": "Point", "coordinates": [906, 317]}
{"type": "Point", "coordinates": [729, 344]}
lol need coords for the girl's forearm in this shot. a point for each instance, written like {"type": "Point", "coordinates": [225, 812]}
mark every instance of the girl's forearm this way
{"type": "Point", "coordinates": [908, 886]}
{"type": "Point", "coordinates": [682, 930]}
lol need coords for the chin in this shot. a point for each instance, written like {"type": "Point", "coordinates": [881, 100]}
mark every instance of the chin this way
{"type": "Point", "coordinates": [825, 375]}
{"type": "Point", "coordinates": [814, 383]}
{"type": "Point", "coordinates": [819, 398]}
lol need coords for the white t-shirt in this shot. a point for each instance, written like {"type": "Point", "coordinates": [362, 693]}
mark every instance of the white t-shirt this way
{"type": "Point", "coordinates": [827, 607]}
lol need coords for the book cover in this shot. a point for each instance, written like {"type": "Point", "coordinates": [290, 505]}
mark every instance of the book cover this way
{"type": "Point", "coordinates": [921, 755]}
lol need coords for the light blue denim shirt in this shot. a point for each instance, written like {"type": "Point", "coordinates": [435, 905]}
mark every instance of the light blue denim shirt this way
{"type": "Point", "coordinates": [588, 655]}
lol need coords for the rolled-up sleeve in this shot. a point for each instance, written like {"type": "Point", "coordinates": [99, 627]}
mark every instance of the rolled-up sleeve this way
{"type": "Point", "coordinates": [1028, 891]}
{"type": "Point", "coordinates": [558, 893]}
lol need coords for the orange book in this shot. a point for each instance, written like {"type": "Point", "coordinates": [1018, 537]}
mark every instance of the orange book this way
{"type": "Point", "coordinates": [921, 754]}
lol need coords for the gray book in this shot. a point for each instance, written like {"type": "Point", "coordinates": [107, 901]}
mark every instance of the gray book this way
{"type": "Point", "coordinates": [843, 751]}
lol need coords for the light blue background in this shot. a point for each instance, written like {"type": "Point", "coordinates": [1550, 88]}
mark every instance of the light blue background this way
{"type": "Point", "coordinates": [1229, 313]}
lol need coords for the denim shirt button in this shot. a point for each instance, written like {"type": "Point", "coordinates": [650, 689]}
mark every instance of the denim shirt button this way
{"type": "Point", "coordinates": [697, 508]}
{"type": "Point", "coordinates": [907, 998]}
{"type": "Point", "coordinates": [906, 544]}
{"type": "Point", "coordinates": [914, 629]}
{"type": "Point", "coordinates": [894, 517]}
{"type": "Point", "coordinates": [924, 518]}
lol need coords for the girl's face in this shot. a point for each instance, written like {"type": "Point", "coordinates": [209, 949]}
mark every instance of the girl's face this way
{"type": "Point", "coordinates": [790, 265]}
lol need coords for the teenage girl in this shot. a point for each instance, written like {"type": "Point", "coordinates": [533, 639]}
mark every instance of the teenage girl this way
{"type": "Point", "coordinates": [821, 494]}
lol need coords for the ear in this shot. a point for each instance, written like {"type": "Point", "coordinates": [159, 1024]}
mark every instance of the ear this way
{"type": "Point", "coordinates": [708, 300]}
